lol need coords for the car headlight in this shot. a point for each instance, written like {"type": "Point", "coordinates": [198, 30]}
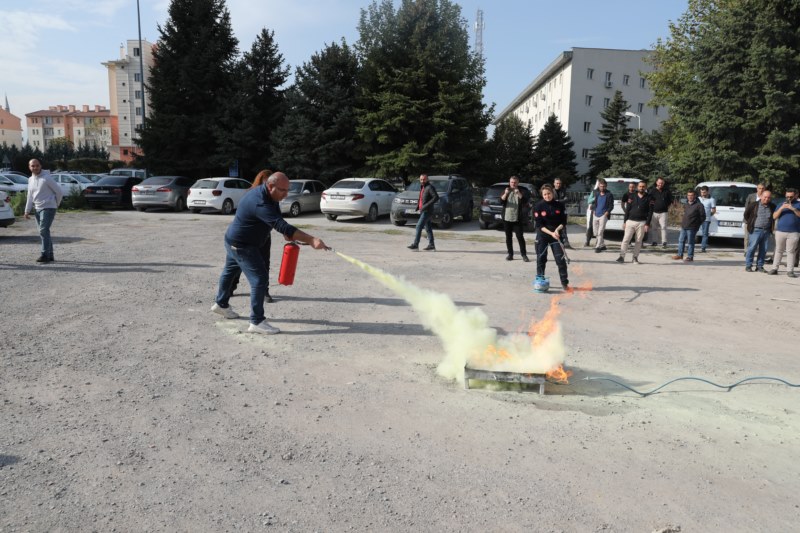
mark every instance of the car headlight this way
{"type": "Point", "coordinates": [397, 201]}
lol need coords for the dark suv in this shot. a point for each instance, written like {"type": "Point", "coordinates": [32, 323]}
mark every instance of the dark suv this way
{"type": "Point", "coordinates": [492, 206]}
{"type": "Point", "coordinates": [455, 200]}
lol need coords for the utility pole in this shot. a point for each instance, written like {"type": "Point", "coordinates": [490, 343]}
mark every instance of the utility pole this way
{"type": "Point", "coordinates": [479, 25]}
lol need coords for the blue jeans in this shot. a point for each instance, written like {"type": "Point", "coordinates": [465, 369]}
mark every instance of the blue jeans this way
{"type": "Point", "coordinates": [686, 235]}
{"type": "Point", "coordinates": [44, 219]}
{"type": "Point", "coordinates": [424, 220]}
{"type": "Point", "coordinates": [704, 241]}
{"type": "Point", "coordinates": [247, 260]}
{"type": "Point", "coordinates": [758, 239]}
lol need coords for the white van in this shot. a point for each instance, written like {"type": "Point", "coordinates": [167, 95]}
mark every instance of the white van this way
{"type": "Point", "coordinates": [617, 187]}
{"type": "Point", "coordinates": [731, 197]}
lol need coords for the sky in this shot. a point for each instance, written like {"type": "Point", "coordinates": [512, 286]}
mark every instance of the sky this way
{"type": "Point", "coordinates": [51, 50]}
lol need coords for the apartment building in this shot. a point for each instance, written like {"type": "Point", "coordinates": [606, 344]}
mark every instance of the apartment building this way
{"type": "Point", "coordinates": [10, 128]}
{"type": "Point", "coordinates": [578, 85]}
{"type": "Point", "coordinates": [85, 126]}
{"type": "Point", "coordinates": [128, 101]}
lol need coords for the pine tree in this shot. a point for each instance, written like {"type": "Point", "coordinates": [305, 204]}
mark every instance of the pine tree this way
{"type": "Point", "coordinates": [553, 156]}
{"type": "Point", "coordinates": [512, 149]}
{"type": "Point", "coordinates": [421, 103]}
{"type": "Point", "coordinates": [318, 138]}
{"type": "Point", "coordinates": [193, 62]}
{"type": "Point", "coordinates": [642, 157]}
{"type": "Point", "coordinates": [613, 133]}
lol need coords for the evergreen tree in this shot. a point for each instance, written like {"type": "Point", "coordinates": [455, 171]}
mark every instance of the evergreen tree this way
{"type": "Point", "coordinates": [254, 105]}
{"type": "Point", "coordinates": [729, 73]}
{"type": "Point", "coordinates": [318, 138]}
{"type": "Point", "coordinates": [512, 149]}
{"type": "Point", "coordinates": [643, 157]}
{"type": "Point", "coordinates": [613, 134]}
{"type": "Point", "coordinates": [421, 104]}
{"type": "Point", "coordinates": [193, 62]}
{"type": "Point", "coordinates": [553, 156]}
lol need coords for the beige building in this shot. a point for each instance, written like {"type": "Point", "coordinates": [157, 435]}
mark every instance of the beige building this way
{"type": "Point", "coordinates": [10, 128]}
{"type": "Point", "coordinates": [578, 85]}
{"type": "Point", "coordinates": [129, 103]}
{"type": "Point", "coordinates": [87, 127]}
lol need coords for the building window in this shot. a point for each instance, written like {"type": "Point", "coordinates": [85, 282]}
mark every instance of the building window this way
{"type": "Point", "coordinates": [138, 95]}
{"type": "Point", "coordinates": [625, 79]}
{"type": "Point", "coordinates": [587, 126]}
{"type": "Point", "coordinates": [640, 108]}
{"type": "Point", "coordinates": [124, 101]}
{"type": "Point", "coordinates": [136, 52]}
{"type": "Point", "coordinates": [125, 151]}
{"type": "Point", "coordinates": [588, 99]}
{"type": "Point", "coordinates": [123, 84]}
{"type": "Point", "coordinates": [138, 111]}
{"type": "Point", "coordinates": [608, 79]}
{"type": "Point", "coordinates": [589, 73]}
{"type": "Point", "coordinates": [606, 101]}
{"type": "Point", "coordinates": [641, 83]}
{"type": "Point", "coordinates": [655, 110]}
{"type": "Point", "coordinates": [137, 76]}
{"type": "Point", "coordinates": [585, 153]}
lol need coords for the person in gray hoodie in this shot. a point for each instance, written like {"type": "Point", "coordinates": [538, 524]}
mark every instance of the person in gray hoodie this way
{"type": "Point", "coordinates": [44, 196]}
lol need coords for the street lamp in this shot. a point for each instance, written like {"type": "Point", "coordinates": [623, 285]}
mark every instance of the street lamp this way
{"type": "Point", "coordinates": [632, 114]}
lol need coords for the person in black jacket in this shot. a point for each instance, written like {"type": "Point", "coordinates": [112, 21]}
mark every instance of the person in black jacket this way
{"type": "Point", "coordinates": [514, 200]}
{"type": "Point", "coordinates": [551, 219]}
{"type": "Point", "coordinates": [427, 197]}
{"type": "Point", "coordinates": [694, 214]}
{"type": "Point", "coordinates": [662, 199]}
{"type": "Point", "coordinates": [759, 219]}
{"type": "Point", "coordinates": [560, 195]}
{"type": "Point", "coordinates": [637, 221]}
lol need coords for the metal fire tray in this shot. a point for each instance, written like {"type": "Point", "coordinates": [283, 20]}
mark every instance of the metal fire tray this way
{"type": "Point", "coordinates": [505, 377]}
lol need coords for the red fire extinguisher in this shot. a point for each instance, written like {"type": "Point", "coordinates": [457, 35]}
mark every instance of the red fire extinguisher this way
{"type": "Point", "coordinates": [291, 252]}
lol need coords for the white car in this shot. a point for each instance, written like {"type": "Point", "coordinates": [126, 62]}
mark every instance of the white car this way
{"type": "Point", "coordinates": [70, 182]}
{"type": "Point", "coordinates": [730, 197]}
{"type": "Point", "coordinates": [360, 197]}
{"type": "Point", "coordinates": [12, 183]}
{"type": "Point", "coordinates": [220, 194]}
{"type": "Point", "coordinates": [6, 212]}
{"type": "Point", "coordinates": [618, 187]}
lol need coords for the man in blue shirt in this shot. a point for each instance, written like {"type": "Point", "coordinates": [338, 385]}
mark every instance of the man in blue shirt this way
{"type": "Point", "coordinates": [787, 232]}
{"type": "Point", "coordinates": [602, 204]}
{"type": "Point", "coordinates": [258, 213]}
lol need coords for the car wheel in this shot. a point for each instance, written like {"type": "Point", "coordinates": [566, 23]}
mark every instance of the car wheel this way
{"type": "Point", "coordinates": [294, 211]}
{"type": "Point", "coordinates": [372, 215]}
{"type": "Point", "coordinates": [446, 221]}
{"type": "Point", "coordinates": [180, 204]}
{"type": "Point", "coordinates": [195, 210]}
{"type": "Point", "coordinates": [141, 209]}
{"type": "Point", "coordinates": [483, 224]}
{"type": "Point", "coordinates": [331, 217]}
{"type": "Point", "coordinates": [468, 214]}
{"type": "Point", "coordinates": [227, 207]}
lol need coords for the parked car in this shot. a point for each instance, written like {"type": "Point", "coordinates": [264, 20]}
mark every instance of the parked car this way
{"type": "Point", "coordinates": [94, 178]}
{"type": "Point", "coordinates": [455, 201]}
{"type": "Point", "coordinates": [18, 173]}
{"type": "Point", "coordinates": [162, 191]}
{"type": "Point", "coordinates": [304, 196]}
{"type": "Point", "coordinates": [8, 183]}
{"type": "Point", "coordinates": [492, 206]}
{"type": "Point", "coordinates": [70, 182]}
{"type": "Point", "coordinates": [111, 190]}
{"type": "Point", "coordinates": [137, 172]}
{"type": "Point", "coordinates": [359, 197]}
{"type": "Point", "coordinates": [731, 197]}
{"type": "Point", "coordinates": [221, 194]}
{"type": "Point", "coordinates": [6, 212]}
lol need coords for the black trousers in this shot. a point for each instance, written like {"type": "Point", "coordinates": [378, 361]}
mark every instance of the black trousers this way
{"type": "Point", "coordinates": [544, 243]}
{"type": "Point", "coordinates": [515, 228]}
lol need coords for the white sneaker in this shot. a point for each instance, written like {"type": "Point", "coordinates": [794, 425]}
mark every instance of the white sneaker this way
{"type": "Point", "coordinates": [264, 328]}
{"type": "Point", "coordinates": [227, 312]}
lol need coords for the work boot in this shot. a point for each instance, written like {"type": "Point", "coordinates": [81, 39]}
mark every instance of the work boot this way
{"type": "Point", "coordinates": [509, 257]}
{"type": "Point", "coordinates": [525, 259]}
{"type": "Point", "coordinates": [430, 247]}
{"type": "Point", "coordinates": [413, 247]}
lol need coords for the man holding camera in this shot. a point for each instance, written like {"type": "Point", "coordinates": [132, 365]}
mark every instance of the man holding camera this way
{"type": "Point", "coordinates": [787, 232]}
{"type": "Point", "coordinates": [514, 200]}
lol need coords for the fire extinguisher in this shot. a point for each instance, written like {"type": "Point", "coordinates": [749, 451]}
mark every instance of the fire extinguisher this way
{"type": "Point", "coordinates": [291, 251]}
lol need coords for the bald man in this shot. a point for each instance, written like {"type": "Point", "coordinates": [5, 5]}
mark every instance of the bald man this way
{"type": "Point", "coordinates": [44, 196]}
{"type": "Point", "coordinates": [259, 212]}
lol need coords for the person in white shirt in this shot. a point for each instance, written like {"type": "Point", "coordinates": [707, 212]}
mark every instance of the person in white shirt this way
{"type": "Point", "coordinates": [44, 196]}
{"type": "Point", "coordinates": [710, 206]}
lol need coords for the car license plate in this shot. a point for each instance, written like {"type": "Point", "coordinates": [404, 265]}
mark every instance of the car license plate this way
{"type": "Point", "coordinates": [412, 212]}
{"type": "Point", "coordinates": [730, 224]}
{"type": "Point", "coordinates": [101, 192]}
{"type": "Point", "coordinates": [498, 217]}
{"type": "Point", "coordinates": [337, 197]}
{"type": "Point", "coordinates": [199, 202]}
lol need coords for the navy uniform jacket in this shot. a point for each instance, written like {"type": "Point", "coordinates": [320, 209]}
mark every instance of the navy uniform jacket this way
{"type": "Point", "coordinates": [549, 215]}
{"type": "Point", "coordinates": [256, 216]}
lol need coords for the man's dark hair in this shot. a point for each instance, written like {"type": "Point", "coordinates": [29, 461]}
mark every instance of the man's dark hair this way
{"type": "Point", "coordinates": [704, 188]}
{"type": "Point", "coordinates": [791, 190]}
{"type": "Point", "coordinates": [601, 180]}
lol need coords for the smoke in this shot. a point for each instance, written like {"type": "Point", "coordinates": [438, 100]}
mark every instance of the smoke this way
{"type": "Point", "coordinates": [466, 336]}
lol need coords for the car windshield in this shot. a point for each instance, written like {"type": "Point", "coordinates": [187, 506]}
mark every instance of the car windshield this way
{"type": "Point", "coordinates": [732, 195]}
{"type": "Point", "coordinates": [112, 180]}
{"type": "Point", "coordinates": [81, 178]}
{"type": "Point", "coordinates": [205, 184]}
{"type": "Point", "coordinates": [617, 188]}
{"type": "Point", "coordinates": [439, 184]}
{"type": "Point", "coordinates": [348, 184]}
{"type": "Point", "coordinates": [296, 186]}
{"type": "Point", "coordinates": [17, 179]}
{"type": "Point", "coordinates": [162, 180]}
{"type": "Point", "coordinates": [496, 191]}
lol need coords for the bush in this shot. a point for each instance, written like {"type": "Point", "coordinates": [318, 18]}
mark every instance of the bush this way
{"type": "Point", "coordinates": [18, 203]}
{"type": "Point", "coordinates": [73, 200]}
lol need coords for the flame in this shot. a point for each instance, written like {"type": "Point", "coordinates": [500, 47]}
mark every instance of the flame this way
{"type": "Point", "coordinates": [559, 374]}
